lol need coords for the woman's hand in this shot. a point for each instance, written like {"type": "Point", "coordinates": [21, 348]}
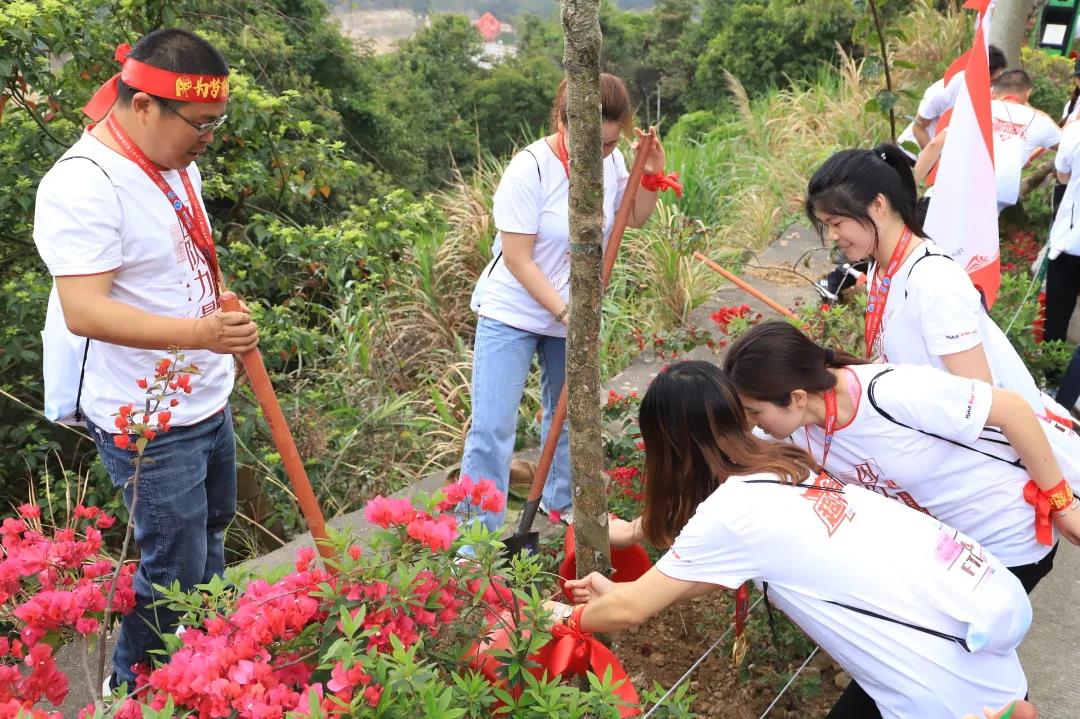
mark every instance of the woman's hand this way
{"type": "Point", "coordinates": [1068, 523]}
{"type": "Point", "coordinates": [655, 164]}
{"type": "Point", "coordinates": [590, 587]}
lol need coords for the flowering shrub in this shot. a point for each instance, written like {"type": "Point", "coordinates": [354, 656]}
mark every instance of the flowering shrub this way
{"type": "Point", "coordinates": [53, 587]}
{"type": "Point", "coordinates": [390, 630]}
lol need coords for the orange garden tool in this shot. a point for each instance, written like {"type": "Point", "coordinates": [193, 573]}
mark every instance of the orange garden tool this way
{"type": "Point", "coordinates": [283, 441]}
{"type": "Point", "coordinates": [746, 287]}
{"type": "Point", "coordinates": [523, 537]}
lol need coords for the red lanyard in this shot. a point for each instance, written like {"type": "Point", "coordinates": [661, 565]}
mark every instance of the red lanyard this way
{"type": "Point", "coordinates": [564, 155]}
{"type": "Point", "coordinates": [879, 293]}
{"type": "Point", "coordinates": [197, 227]}
{"type": "Point", "coordinates": [830, 424]}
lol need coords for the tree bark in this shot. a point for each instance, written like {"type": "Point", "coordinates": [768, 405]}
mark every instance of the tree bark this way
{"type": "Point", "coordinates": [581, 58]}
{"type": "Point", "coordinates": [1008, 27]}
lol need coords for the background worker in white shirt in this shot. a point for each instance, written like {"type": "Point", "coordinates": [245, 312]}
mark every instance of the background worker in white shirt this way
{"type": "Point", "coordinates": [936, 100]}
{"type": "Point", "coordinates": [735, 508]}
{"type": "Point", "coordinates": [1021, 132]}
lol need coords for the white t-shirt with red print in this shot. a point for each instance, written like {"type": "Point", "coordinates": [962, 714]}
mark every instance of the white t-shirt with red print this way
{"type": "Point", "coordinates": [96, 212]}
{"type": "Point", "coordinates": [813, 547]}
{"type": "Point", "coordinates": [933, 310]}
{"type": "Point", "coordinates": [1019, 130]}
{"type": "Point", "coordinates": [533, 199]}
{"type": "Point", "coordinates": [981, 495]}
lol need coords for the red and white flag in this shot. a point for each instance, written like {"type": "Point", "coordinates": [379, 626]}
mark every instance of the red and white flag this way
{"type": "Point", "coordinates": [963, 217]}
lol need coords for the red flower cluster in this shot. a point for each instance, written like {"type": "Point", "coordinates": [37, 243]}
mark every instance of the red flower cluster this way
{"type": "Point", "coordinates": [628, 480]}
{"type": "Point", "coordinates": [53, 586]}
{"type": "Point", "coordinates": [723, 316]}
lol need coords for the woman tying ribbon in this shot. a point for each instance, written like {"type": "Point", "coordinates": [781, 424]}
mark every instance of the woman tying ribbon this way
{"type": "Point", "coordinates": [522, 297]}
{"type": "Point", "coordinates": [928, 625]}
{"type": "Point", "coordinates": [922, 307]}
{"type": "Point", "coordinates": [970, 454]}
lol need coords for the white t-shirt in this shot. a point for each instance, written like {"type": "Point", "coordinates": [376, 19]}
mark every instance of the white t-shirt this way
{"type": "Point", "coordinates": [1019, 130]}
{"type": "Point", "coordinates": [933, 309]}
{"type": "Point", "coordinates": [937, 98]}
{"type": "Point", "coordinates": [855, 547]}
{"type": "Point", "coordinates": [1067, 117]}
{"type": "Point", "coordinates": [979, 495]}
{"type": "Point", "coordinates": [533, 198]}
{"type": "Point", "coordinates": [104, 214]}
{"type": "Point", "coordinates": [1065, 232]}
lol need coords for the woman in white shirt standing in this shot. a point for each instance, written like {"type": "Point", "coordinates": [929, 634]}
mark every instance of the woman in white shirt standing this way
{"type": "Point", "coordinates": [969, 454]}
{"type": "Point", "coordinates": [522, 297]}
{"type": "Point", "coordinates": [928, 625]}
{"type": "Point", "coordinates": [923, 308]}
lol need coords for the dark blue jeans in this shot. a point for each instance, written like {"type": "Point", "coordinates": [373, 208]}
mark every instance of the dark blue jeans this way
{"type": "Point", "coordinates": [187, 497]}
{"type": "Point", "coordinates": [1069, 389]}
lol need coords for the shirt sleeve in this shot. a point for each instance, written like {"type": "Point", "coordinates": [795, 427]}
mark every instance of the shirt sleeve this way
{"type": "Point", "coordinates": [937, 99]}
{"type": "Point", "coordinates": [1047, 133]}
{"type": "Point", "coordinates": [933, 401]}
{"type": "Point", "coordinates": [706, 550]}
{"type": "Point", "coordinates": [1063, 162]}
{"type": "Point", "coordinates": [77, 220]}
{"type": "Point", "coordinates": [621, 176]}
{"type": "Point", "coordinates": [517, 199]}
{"type": "Point", "coordinates": [950, 309]}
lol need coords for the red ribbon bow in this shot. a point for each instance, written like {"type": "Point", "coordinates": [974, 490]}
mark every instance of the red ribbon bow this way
{"type": "Point", "coordinates": [1044, 528]}
{"type": "Point", "coordinates": [574, 652]}
{"type": "Point", "coordinates": [659, 183]}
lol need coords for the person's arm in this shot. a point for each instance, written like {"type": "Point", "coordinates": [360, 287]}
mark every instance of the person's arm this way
{"type": "Point", "coordinates": [921, 130]}
{"type": "Point", "coordinates": [1011, 413]}
{"type": "Point", "coordinates": [623, 534]}
{"type": "Point", "coordinates": [518, 255]}
{"type": "Point", "coordinates": [929, 156]}
{"type": "Point", "coordinates": [970, 363]}
{"type": "Point", "coordinates": [1063, 177]}
{"type": "Point", "coordinates": [612, 606]}
{"type": "Point", "coordinates": [90, 312]}
{"type": "Point", "coordinates": [644, 204]}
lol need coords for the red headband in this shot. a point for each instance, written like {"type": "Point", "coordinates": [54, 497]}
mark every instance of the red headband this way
{"type": "Point", "coordinates": [182, 86]}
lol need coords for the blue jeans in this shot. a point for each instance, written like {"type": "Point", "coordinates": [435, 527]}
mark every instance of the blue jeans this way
{"type": "Point", "coordinates": [1069, 390]}
{"type": "Point", "coordinates": [187, 497]}
{"type": "Point", "coordinates": [502, 357]}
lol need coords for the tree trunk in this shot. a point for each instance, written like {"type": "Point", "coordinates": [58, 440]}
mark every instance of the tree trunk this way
{"type": "Point", "coordinates": [581, 23]}
{"type": "Point", "coordinates": [1008, 27]}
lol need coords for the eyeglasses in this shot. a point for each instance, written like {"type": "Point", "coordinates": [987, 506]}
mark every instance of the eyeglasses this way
{"type": "Point", "coordinates": [200, 127]}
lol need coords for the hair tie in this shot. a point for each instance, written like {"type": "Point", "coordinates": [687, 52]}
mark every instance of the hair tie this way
{"type": "Point", "coordinates": [883, 157]}
{"type": "Point", "coordinates": [830, 358]}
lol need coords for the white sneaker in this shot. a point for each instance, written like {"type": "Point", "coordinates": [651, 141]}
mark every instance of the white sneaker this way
{"type": "Point", "coordinates": [106, 687]}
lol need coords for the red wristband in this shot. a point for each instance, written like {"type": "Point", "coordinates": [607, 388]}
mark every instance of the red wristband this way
{"type": "Point", "coordinates": [661, 182]}
{"type": "Point", "coordinates": [574, 622]}
{"type": "Point", "coordinates": [1057, 499]}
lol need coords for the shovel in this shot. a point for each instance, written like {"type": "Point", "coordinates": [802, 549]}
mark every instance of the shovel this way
{"type": "Point", "coordinates": [283, 441]}
{"type": "Point", "coordinates": [524, 538]}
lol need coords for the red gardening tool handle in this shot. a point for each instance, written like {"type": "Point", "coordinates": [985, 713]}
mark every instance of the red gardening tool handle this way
{"type": "Point", "coordinates": [746, 287]}
{"type": "Point", "coordinates": [283, 439]}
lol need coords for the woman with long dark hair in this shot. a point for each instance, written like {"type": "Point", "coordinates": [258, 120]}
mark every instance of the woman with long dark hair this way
{"type": "Point", "coordinates": [928, 625]}
{"type": "Point", "coordinates": [969, 454]}
{"type": "Point", "coordinates": [923, 308]}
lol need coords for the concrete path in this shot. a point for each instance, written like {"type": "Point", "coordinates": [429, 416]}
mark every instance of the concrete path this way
{"type": "Point", "coordinates": [1051, 652]}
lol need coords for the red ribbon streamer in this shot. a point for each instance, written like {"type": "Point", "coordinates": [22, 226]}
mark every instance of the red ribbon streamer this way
{"type": "Point", "coordinates": [569, 653]}
{"type": "Point", "coordinates": [572, 653]}
{"type": "Point", "coordinates": [659, 183]}
{"type": "Point", "coordinates": [1044, 528]}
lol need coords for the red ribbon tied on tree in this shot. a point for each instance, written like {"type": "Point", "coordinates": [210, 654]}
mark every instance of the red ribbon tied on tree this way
{"type": "Point", "coordinates": [574, 652]}
{"type": "Point", "coordinates": [659, 183]}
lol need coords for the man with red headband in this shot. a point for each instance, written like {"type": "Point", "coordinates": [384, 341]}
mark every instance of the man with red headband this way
{"type": "Point", "coordinates": [122, 228]}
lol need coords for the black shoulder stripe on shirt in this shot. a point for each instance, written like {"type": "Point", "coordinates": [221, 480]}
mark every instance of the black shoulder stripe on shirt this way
{"type": "Point", "coordinates": [84, 157]}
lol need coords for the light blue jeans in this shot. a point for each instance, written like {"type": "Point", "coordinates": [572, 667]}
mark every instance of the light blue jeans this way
{"type": "Point", "coordinates": [502, 358]}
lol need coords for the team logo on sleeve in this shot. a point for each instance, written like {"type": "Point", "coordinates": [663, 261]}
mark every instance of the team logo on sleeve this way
{"type": "Point", "coordinates": [830, 505]}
